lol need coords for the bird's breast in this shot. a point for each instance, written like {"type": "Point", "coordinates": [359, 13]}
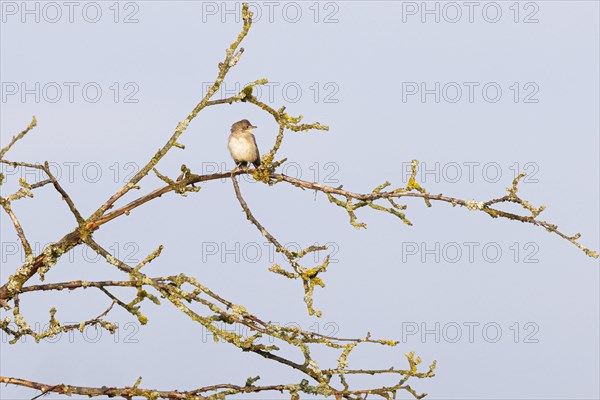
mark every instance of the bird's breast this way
{"type": "Point", "coordinates": [242, 148]}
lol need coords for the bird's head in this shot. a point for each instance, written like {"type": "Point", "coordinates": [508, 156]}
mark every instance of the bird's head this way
{"type": "Point", "coordinates": [243, 125]}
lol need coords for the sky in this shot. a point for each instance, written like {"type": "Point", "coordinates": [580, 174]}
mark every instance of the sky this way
{"type": "Point", "coordinates": [478, 92]}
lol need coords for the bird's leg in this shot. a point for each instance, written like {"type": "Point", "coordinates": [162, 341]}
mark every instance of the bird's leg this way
{"type": "Point", "coordinates": [240, 165]}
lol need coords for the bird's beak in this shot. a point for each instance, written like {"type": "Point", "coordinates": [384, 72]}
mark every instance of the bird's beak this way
{"type": "Point", "coordinates": [252, 126]}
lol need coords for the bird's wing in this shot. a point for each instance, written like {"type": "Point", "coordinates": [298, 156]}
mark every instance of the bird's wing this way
{"type": "Point", "coordinates": [256, 146]}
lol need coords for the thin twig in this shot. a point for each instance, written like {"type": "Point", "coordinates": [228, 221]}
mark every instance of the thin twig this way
{"type": "Point", "coordinates": [20, 136]}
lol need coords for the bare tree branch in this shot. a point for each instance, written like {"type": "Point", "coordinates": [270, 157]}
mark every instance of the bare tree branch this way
{"type": "Point", "coordinates": [309, 277]}
{"type": "Point", "coordinates": [20, 136]}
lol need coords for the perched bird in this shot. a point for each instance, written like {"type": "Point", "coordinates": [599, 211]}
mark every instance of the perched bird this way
{"type": "Point", "coordinates": [242, 144]}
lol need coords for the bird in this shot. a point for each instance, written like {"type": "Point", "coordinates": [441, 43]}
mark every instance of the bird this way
{"type": "Point", "coordinates": [242, 144]}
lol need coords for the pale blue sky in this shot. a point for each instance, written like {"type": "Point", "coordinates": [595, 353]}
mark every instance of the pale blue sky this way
{"type": "Point", "coordinates": [357, 72]}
